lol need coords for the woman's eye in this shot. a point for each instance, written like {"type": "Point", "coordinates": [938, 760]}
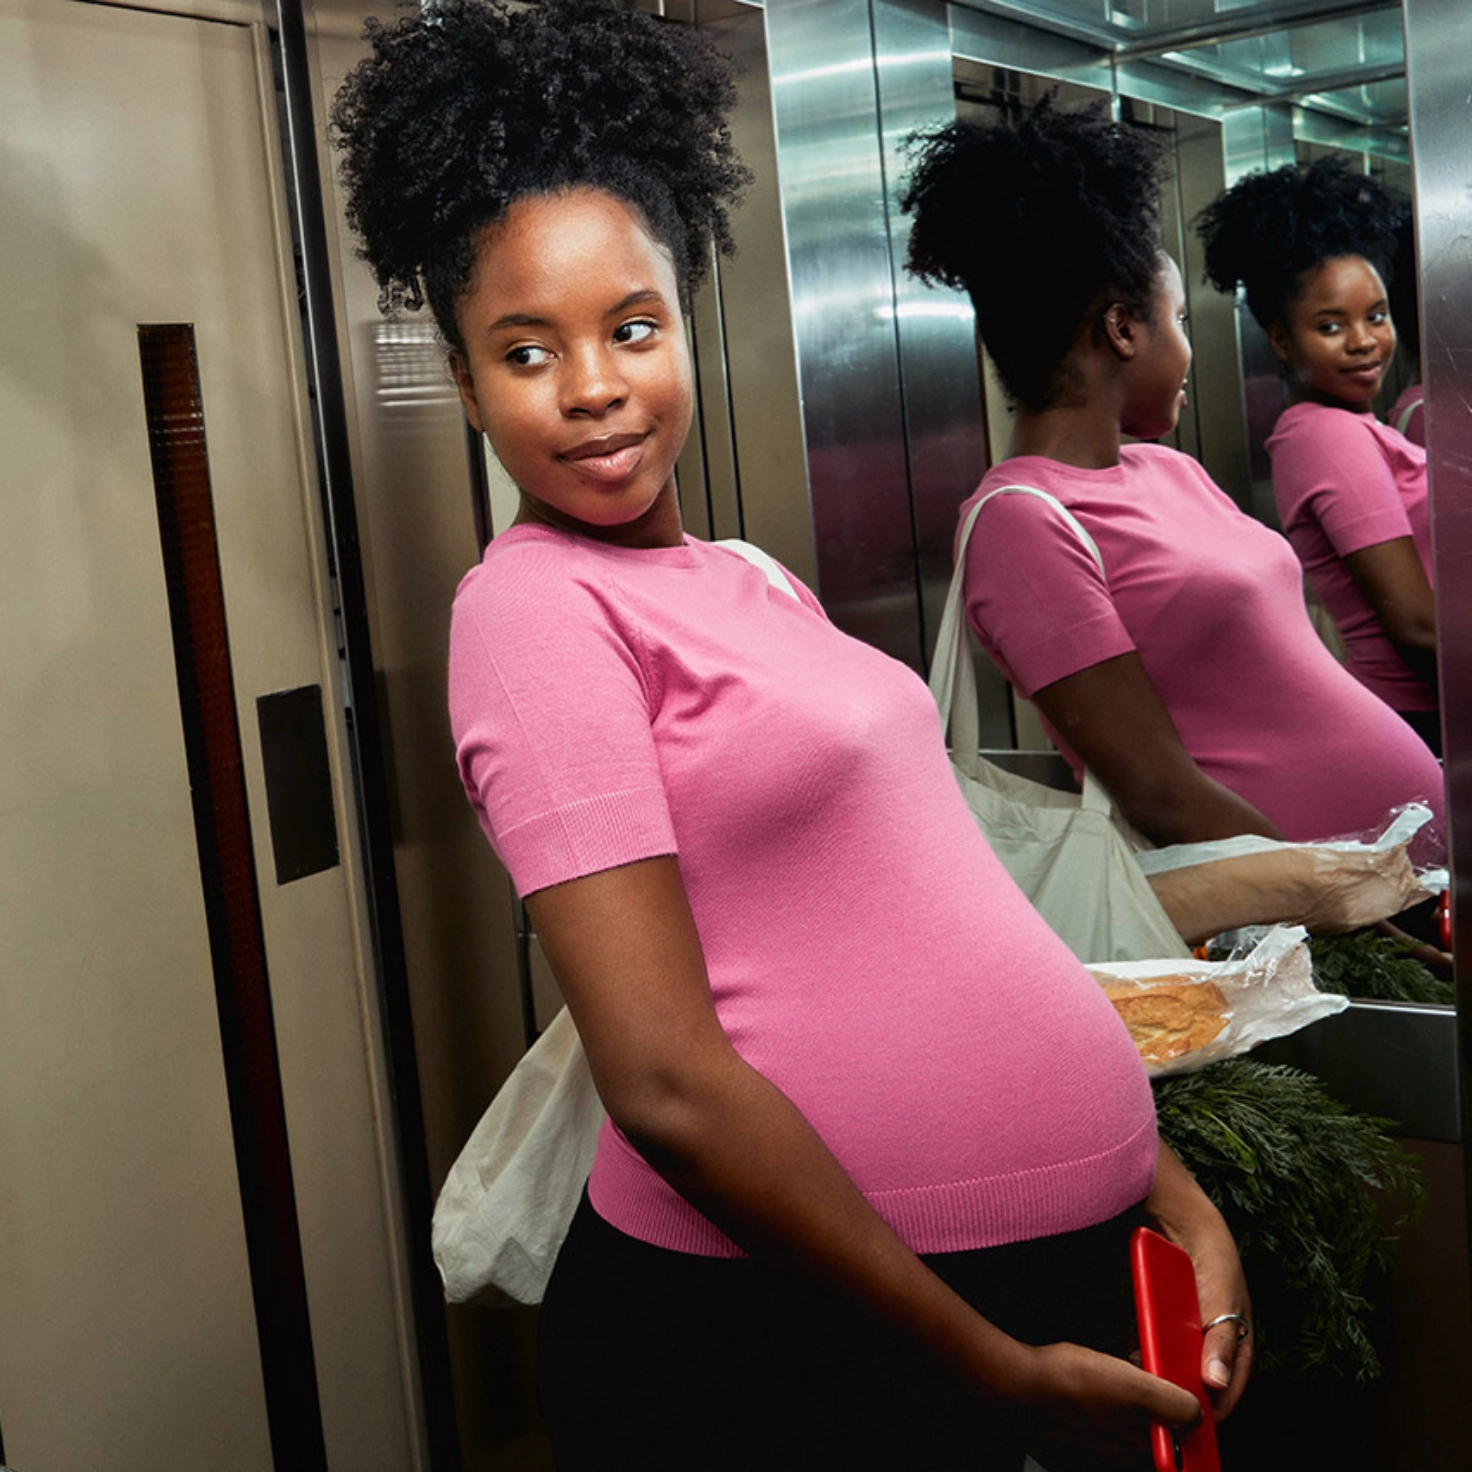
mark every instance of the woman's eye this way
{"type": "Point", "coordinates": [1377, 318]}
{"type": "Point", "coordinates": [528, 355]}
{"type": "Point", "coordinates": [636, 331]}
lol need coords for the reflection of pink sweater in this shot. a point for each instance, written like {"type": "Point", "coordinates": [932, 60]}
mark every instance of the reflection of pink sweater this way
{"type": "Point", "coordinates": [867, 953]}
{"type": "Point", "coordinates": [1344, 482]}
{"type": "Point", "coordinates": [1212, 603]}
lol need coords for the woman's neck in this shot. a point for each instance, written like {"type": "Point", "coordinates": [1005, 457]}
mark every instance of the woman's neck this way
{"type": "Point", "coordinates": [1301, 394]}
{"type": "Point", "coordinates": [1081, 435]}
{"type": "Point", "coordinates": [658, 525]}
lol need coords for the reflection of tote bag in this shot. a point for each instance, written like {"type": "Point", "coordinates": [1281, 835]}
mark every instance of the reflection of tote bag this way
{"type": "Point", "coordinates": [1066, 851]}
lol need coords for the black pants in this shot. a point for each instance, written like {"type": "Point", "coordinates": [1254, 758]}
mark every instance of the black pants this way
{"type": "Point", "coordinates": [661, 1360]}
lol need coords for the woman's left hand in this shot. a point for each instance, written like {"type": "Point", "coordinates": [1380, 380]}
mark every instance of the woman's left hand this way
{"type": "Point", "coordinates": [1185, 1215]}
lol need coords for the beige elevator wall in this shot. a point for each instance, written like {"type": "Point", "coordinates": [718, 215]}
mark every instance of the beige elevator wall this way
{"type": "Point", "coordinates": [139, 182]}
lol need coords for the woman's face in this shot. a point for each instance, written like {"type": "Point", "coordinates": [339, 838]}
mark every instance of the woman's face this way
{"type": "Point", "coordinates": [576, 368]}
{"type": "Point", "coordinates": [1156, 391]}
{"type": "Point", "coordinates": [1338, 338]}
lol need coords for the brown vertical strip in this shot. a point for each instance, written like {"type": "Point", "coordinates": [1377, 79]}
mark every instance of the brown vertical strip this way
{"type": "Point", "coordinates": [176, 437]}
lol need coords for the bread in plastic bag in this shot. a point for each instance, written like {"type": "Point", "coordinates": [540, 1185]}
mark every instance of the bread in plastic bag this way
{"type": "Point", "coordinates": [1268, 993]}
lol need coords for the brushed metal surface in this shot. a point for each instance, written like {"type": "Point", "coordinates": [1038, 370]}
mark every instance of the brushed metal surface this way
{"type": "Point", "coordinates": [1438, 36]}
{"type": "Point", "coordinates": [935, 329]}
{"type": "Point", "coordinates": [825, 107]}
{"type": "Point", "coordinates": [1391, 1059]}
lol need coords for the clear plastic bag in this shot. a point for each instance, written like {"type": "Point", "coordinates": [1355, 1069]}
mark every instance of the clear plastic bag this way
{"type": "Point", "coordinates": [1268, 992]}
{"type": "Point", "coordinates": [1339, 884]}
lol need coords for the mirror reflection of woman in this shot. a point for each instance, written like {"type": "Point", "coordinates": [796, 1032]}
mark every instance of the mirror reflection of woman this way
{"type": "Point", "coordinates": [876, 1140]}
{"type": "Point", "coordinates": [1314, 248]}
{"type": "Point", "coordinates": [1186, 674]}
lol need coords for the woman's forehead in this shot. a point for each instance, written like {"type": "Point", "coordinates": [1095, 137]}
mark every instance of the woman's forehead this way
{"type": "Point", "coordinates": [558, 244]}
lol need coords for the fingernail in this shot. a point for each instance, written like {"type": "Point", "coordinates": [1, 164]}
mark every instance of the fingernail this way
{"type": "Point", "coordinates": [1218, 1374]}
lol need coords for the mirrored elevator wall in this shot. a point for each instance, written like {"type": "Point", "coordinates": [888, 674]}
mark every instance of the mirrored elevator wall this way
{"type": "Point", "coordinates": [886, 372]}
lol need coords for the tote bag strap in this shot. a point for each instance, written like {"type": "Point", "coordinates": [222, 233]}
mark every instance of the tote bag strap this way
{"type": "Point", "coordinates": [763, 561]}
{"type": "Point", "coordinates": [952, 674]}
{"type": "Point", "coordinates": [1409, 412]}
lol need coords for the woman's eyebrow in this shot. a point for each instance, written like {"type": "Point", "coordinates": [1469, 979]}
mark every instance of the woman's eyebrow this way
{"type": "Point", "coordinates": [518, 319]}
{"type": "Point", "coordinates": [530, 319]}
{"type": "Point", "coordinates": [634, 298]}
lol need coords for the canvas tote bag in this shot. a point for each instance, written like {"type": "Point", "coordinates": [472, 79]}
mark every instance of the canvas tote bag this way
{"type": "Point", "coordinates": [1069, 852]}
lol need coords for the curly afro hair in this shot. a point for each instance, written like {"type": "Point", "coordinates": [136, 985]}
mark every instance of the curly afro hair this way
{"type": "Point", "coordinates": [1041, 219]}
{"type": "Point", "coordinates": [465, 106]}
{"type": "Point", "coordinates": [1269, 228]}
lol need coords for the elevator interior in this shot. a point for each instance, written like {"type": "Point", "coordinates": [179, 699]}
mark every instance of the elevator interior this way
{"type": "Point", "coordinates": [164, 165]}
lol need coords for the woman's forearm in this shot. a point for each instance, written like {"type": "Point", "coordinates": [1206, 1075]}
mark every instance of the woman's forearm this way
{"type": "Point", "coordinates": [1112, 716]}
{"type": "Point", "coordinates": [624, 949]}
{"type": "Point", "coordinates": [1185, 1214]}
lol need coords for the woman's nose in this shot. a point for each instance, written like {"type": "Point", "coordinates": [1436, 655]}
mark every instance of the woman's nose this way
{"type": "Point", "coordinates": [593, 384]}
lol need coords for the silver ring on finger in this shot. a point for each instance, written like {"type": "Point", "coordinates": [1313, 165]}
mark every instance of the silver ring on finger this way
{"type": "Point", "coordinates": [1240, 1320]}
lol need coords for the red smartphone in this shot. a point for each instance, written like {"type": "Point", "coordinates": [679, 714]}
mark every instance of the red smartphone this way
{"type": "Point", "coordinates": [1170, 1346]}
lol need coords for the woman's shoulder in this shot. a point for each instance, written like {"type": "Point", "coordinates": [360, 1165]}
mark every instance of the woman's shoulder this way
{"type": "Point", "coordinates": [1166, 468]}
{"type": "Point", "coordinates": [536, 586]}
{"type": "Point", "coordinates": [1158, 459]}
{"type": "Point", "coordinates": [1312, 441]}
{"type": "Point", "coordinates": [1136, 484]}
{"type": "Point", "coordinates": [532, 561]}
{"type": "Point", "coordinates": [1308, 420]}
{"type": "Point", "coordinates": [538, 582]}
{"type": "Point", "coordinates": [520, 564]}
{"type": "Point", "coordinates": [1036, 471]}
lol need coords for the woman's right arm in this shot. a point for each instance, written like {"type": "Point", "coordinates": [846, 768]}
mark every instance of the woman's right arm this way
{"type": "Point", "coordinates": [1114, 719]}
{"type": "Point", "coordinates": [623, 946]}
{"type": "Point", "coordinates": [1394, 583]}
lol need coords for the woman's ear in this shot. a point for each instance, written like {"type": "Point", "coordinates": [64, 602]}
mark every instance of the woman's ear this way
{"type": "Point", "coordinates": [1282, 343]}
{"type": "Point", "coordinates": [1121, 330]}
{"type": "Point", "coordinates": [460, 368]}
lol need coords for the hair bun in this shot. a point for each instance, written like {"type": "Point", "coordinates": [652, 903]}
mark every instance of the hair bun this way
{"type": "Point", "coordinates": [463, 106]}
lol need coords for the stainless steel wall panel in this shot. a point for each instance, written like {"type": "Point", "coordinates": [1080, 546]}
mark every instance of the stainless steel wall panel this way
{"type": "Point", "coordinates": [935, 328]}
{"type": "Point", "coordinates": [706, 470]}
{"type": "Point", "coordinates": [1395, 1060]}
{"type": "Point", "coordinates": [1438, 38]}
{"type": "Point", "coordinates": [1217, 409]}
{"type": "Point", "coordinates": [832, 179]}
{"type": "Point", "coordinates": [751, 409]}
{"type": "Point", "coordinates": [1001, 40]}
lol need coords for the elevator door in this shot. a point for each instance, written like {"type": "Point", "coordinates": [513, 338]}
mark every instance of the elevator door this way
{"type": "Point", "coordinates": [138, 188]}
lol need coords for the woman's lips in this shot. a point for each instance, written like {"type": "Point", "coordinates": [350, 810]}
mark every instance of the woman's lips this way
{"type": "Point", "coordinates": [611, 459]}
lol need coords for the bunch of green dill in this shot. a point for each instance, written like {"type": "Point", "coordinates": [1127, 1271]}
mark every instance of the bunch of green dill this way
{"type": "Point", "coordinates": [1313, 1193]}
{"type": "Point", "coordinates": [1365, 964]}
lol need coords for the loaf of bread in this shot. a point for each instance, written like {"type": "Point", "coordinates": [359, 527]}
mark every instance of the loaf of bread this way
{"type": "Point", "coordinates": [1169, 1015]}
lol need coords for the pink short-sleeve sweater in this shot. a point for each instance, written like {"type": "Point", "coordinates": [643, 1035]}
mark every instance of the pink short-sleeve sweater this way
{"type": "Point", "coordinates": [1343, 482]}
{"type": "Point", "coordinates": [1211, 601]}
{"type": "Point", "coordinates": [867, 952]}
